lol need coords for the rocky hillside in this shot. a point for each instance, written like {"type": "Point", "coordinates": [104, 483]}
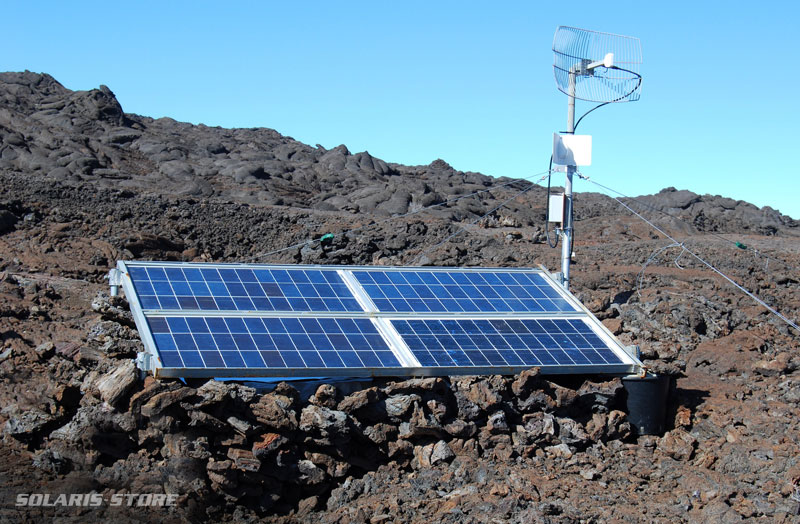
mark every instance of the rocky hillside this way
{"type": "Point", "coordinates": [85, 184]}
{"type": "Point", "coordinates": [75, 137]}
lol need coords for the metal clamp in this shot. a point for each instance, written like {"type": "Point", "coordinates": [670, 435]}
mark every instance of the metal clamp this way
{"type": "Point", "coordinates": [115, 281]}
{"type": "Point", "coordinates": [144, 361]}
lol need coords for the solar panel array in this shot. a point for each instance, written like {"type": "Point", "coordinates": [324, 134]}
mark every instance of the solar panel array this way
{"type": "Point", "coordinates": [248, 320]}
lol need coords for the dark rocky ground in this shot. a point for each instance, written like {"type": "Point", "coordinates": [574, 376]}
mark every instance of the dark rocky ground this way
{"type": "Point", "coordinates": [85, 184]}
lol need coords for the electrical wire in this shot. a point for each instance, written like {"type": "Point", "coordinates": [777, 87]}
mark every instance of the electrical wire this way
{"type": "Point", "coordinates": [547, 208]}
{"type": "Point", "coordinates": [626, 95]}
{"type": "Point", "coordinates": [696, 256]}
{"type": "Point", "coordinates": [640, 277]}
{"type": "Point", "coordinates": [397, 217]}
{"type": "Point", "coordinates": [712, 233]}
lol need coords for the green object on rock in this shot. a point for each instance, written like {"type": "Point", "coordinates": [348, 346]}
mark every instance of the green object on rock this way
{"type": "Point", "coordinates": [740, 245]}
{"type": "Point", "coordinates": [326, 238]}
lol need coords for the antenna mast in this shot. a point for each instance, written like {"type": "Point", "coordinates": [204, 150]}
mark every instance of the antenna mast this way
{"type": "Point", "coordinates": [597, 67]}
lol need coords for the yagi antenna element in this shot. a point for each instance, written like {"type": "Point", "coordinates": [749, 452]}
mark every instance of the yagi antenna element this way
{"type": "Point", "coordinates": [597, 67]}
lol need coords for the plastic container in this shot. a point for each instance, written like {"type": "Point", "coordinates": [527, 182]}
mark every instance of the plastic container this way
{"type": "Point", "coordinates": [646, 403]}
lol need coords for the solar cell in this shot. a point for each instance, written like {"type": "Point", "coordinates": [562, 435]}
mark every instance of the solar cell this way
{"type": "Point", "coordinates": [454, 291]}
{"type": "Point", "coordinates": [241, 289]}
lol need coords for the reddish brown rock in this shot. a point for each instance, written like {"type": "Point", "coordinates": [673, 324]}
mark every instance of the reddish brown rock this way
{"type": "Point", "coordinates": [244, 459]}
{"type": "Point", "coordinates": [526, 381]}
{"type": "Point", "coordinates": [677, 444]}
{"type": "Point", "coordinates": [162, 401]}
{"type": "Point", "coordinates": [221, 473]}
{"type": "Point", "coordinates": [326, 396]}
{"type": "Point", "coordinates": [67, 349]}
{"type": "Point", "coordinates": [268, 445]}
{"type": "Point", "coordinates": [613, 324]}
{"type": "Point", "coordinates": [359, 399]}
{"type": "Point", "coordinates": [114, 385]}
{"type": "Point", "coordinates": [275, 411]}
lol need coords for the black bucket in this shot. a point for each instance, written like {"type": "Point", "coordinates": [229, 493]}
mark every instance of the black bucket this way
{"type": "Point", "coordinates": [647, 403]}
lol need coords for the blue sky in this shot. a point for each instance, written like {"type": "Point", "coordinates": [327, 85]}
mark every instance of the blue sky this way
{"type": "Point", "coordinates": [468, 82]}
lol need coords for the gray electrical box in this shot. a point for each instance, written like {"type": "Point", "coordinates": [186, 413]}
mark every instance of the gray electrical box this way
{"type": "Point", "coordinates": [556, 208]}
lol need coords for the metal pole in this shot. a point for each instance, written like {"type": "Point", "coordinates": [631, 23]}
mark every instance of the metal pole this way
{"type": "Point", "coordinates": [566, 231]}
{"type": "Point", "coordinates": [571, 102]}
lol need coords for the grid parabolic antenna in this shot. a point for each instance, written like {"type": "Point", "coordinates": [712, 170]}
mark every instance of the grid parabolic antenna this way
{"type": "Point", "coordinates": [238, 320]}
{"type": "Point", "coordinates": [574, 49]}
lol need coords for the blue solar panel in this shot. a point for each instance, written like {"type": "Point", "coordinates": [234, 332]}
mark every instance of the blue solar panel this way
{"type": "Point", "coordinates": [269, 342]}
{"type": "Point", "coordinates": [456, 291]}
{"type": "Point", "coordinates": [259, 320]}
{"type": "Point", "coordinates": [241, 289]}
{"type": "Point", "coordinates": [504, 342]}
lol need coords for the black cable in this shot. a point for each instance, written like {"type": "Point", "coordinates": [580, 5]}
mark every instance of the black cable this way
{"type": "Point", "coordinates": [626, 95]}
{"type": "Point", "coordinates": [547, 208]}
{"type": "Point", "coordinates": [598, 106]}
{"type": "Point", "coordinates": [572, 236]}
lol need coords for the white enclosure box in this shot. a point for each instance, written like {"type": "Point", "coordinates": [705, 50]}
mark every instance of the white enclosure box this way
{"type": "Point", "coordinates": [572, 150]}
{"type": "Point", "coordinates": [556, 208]}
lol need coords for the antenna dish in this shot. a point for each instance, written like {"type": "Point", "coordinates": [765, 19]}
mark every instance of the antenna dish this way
{"type": "Point", "coordinates": [597, 67]}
